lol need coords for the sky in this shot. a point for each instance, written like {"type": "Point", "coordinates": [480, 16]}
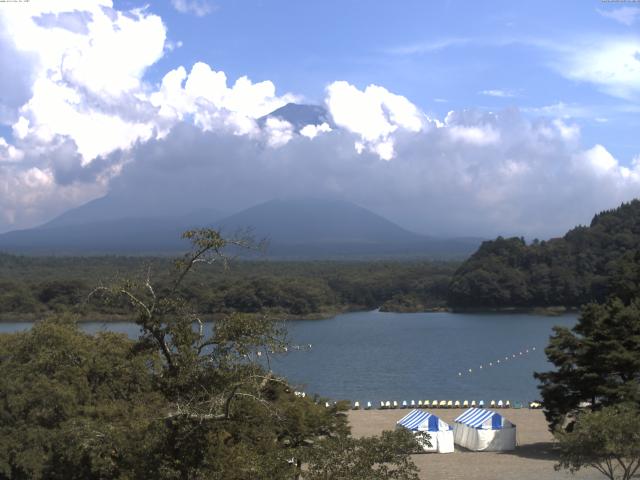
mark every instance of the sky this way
{"type": "Point", "coordinates": [449, 118]}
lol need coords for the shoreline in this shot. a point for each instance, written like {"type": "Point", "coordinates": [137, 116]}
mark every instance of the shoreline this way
{"type": "Point", "coordinates": [288, 317]}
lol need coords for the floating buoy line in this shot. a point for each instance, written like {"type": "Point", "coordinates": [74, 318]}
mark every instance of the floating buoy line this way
{"type": "Point", "coordinates": [286, 349]}
{"type": "Point", "coordinates": [499, 361]}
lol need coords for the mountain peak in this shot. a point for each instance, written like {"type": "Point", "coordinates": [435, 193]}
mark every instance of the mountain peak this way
{"type": "Point", "coordinates": [300, 115]}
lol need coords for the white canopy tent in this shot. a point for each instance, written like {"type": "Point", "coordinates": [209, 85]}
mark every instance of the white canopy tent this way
{"type": "Point", "coordinates": [440, 432]}
{"type": "Point", "coordinates": [484, 430]}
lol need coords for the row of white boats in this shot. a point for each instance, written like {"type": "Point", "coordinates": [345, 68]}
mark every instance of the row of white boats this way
{"type": "Point", "coordinates": [433, 404]}
{"type": "Point", "coordinates": [389, 405]}
{"type": "Point", "coordinates": [444, 404]}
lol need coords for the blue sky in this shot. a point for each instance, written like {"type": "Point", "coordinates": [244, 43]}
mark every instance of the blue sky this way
{"type": "Point", "coordinates": [442, 55]}
{"type": "Point", "coordinates": [452, 118]}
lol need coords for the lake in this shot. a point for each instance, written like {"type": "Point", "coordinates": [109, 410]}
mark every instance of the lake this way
{"type": "Point", "coordinates": [373, 356]}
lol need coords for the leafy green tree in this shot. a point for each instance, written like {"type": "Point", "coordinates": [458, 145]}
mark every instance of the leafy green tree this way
{"type": "Point", "coordinates": [607, 440]}
{"type": "Point", "coordinates": [72, 405]}
{"type": "Point", "coordinates": [597, 361]}
{"type": "Point", "coordinates": [187, 400]}
{"type": "Point", "coordinates": [373, 458]}
{"type": "Point", "coordinates": [227, 417]}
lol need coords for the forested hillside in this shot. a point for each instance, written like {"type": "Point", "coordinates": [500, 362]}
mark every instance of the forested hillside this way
{"type": "Point", "coordinates": [587, 264]}
{"type": "Point", "coordinates": [32, 287]}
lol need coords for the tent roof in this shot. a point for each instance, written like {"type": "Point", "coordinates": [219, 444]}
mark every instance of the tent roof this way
{"type": "Point", "coordinates": [479, 418]}
{"type": "Point", "coordinates": [417, 418]}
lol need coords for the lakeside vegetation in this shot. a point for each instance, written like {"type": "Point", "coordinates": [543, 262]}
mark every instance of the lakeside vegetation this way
{"type": "Point", "coordinates": [32, 287]}
{"type": "Point", "coordinates": [587, 264]}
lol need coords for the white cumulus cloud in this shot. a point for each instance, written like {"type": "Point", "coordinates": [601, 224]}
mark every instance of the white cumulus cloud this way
{"type": "Point", "coordinates": [87, 71]}
{"type": "Point", "coordinates": [373, 113]}
{"type": "Point", "coordinates": [203, 93]}
{"type": "Point", "coordinates": [312, 131]}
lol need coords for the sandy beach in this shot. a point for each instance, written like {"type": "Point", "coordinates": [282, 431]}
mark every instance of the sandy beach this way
{"type": "Point", "coordinates": [533, 459]}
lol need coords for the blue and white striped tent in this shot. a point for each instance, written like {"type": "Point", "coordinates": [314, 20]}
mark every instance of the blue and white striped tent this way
{"type": "Point", "coordinates": [484, 430]}
{"type": "Point", "coordinates": [440, 433]}
{"type": "Point", "coordinates": [422, 421]}
{"type": "Point", "coordinates": [481, 418]}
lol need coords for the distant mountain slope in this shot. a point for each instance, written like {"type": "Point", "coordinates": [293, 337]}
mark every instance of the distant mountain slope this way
{"type": "Point", "coordinates": [111, 224]}
{"type": "Point", "coordinates": [322, 228]}
{"type": "Point", "coordinates": [126, 235]}
{"type": "Point", "coordinates": [587, 264]}
{"type": "Point", "coordinates": [300, 115]}
{"type": "Point", "coordinates": [300, 228]}
{"type": "Point", "coordinates": [113, 207]}
{"type": "Point", "coordinates": [306, 220]}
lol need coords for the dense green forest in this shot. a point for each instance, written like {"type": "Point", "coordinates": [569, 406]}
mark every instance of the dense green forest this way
{"type": "Point", "coordinates": [587, 264]}
{"type": "Point", "coordinates": [31, 287]}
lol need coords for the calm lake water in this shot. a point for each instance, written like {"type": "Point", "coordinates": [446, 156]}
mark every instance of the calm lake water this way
{"type": "Point", "coordinates": [373, 356]}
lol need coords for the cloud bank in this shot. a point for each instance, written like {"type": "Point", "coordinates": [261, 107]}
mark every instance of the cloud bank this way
{"type": "Point", "coordinates": [86, 123]}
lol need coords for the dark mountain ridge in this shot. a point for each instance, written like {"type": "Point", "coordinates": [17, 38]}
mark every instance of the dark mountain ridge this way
{"type": "Point", "coordinates": [587, 264]}
{"type": "Point", "coordinates": [297, 228]}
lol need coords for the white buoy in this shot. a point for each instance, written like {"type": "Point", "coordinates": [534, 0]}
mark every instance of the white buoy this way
{"type": "Point", "coordinates": [459, 374]}
{"type": "Point", "coordinates": [491, 364]}
{"type": "Point", "coordinates": [470, 370]}
{"type": "Point", "coordinates": [480, 366]}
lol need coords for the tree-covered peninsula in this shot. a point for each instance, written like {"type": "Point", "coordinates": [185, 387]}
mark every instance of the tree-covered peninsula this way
{"type": "Point", "coordinates": [587, 264]}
